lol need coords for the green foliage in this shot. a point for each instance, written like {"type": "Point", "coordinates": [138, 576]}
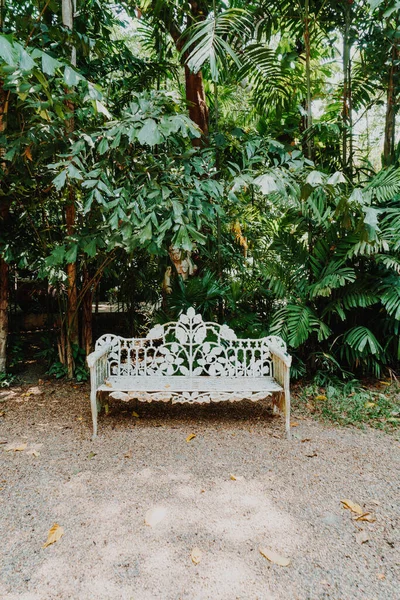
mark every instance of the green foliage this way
{"type": "Point", "coordinates": [352, 404]}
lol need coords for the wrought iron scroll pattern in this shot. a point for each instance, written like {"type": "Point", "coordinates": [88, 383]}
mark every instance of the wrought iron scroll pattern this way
{"type": "Point", "coordinates": [190, 347]}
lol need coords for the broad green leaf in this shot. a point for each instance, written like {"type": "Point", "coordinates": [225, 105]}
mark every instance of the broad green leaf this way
{"type": "Point", "coordinates": [70, 255]}
{"type": "Point", "coordinates": [59, 181]}
{"type": "Point", "coordinates": [71, 77]}
{"type": "Point", "coordinates": [7, 51]}
{"type": "Point", "coordinates": [49, 64]}
{"type": "Point", "coordinates": [90, 248]}
{"type": "Point", "coordinates": [149, 134]}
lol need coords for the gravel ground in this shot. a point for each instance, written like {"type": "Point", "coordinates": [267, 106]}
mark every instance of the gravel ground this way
{"type": "Point", "coordinates": [286, 498]}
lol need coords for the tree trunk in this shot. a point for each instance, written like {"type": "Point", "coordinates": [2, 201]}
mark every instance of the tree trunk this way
{"type": "Point", "coordinates": [4, 212]}
{"type": "Point", "coordinates": [308, 107]}
{"type": "Point", "coordinates": [72, 324]}
{"type": "Point", "coordinates": [390, 118]}
{"type": "Point", "coordinates": [347, 141]}
{"type": "Point", "coordinates": [87, 317]}
{"type": "Point", "coordinates": [3, 297]}
{"type": "Point", "coordinates": [196, 99]}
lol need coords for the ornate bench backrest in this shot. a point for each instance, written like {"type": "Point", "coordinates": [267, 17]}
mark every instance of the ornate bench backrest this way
{"type": "Point", "coordinates": [190, 347]}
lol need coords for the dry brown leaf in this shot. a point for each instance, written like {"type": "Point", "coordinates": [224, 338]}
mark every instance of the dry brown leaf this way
{"type": "Point", "coordinates": [191, 436]}
{"type": "Point", "coordinates": [55, 533]}
{"type": "Point", "coordinates": [362, 537]}
{"type": "Point", "coordinates": [306, 440]}
{"type": "Point", "coordinates": [196, 555]}
{"type": "Point", "coordinates": [155, 515]}
{"type": "Point", "coordinates": [16, 448]}
{"type": "Point", "coordinates": [274, 557]}
{"type": "Point", "coordinates": [128, 454]}
{"type": "Point", "coordinates": [365, 517]}
{"type": "Point", "coordinates": [355, 508]}
{"type": "Point", "coordinates": [294, 424]}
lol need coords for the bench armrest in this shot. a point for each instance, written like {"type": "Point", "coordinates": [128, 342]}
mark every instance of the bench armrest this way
{"type": "Point", "coordinates": [93, 357]}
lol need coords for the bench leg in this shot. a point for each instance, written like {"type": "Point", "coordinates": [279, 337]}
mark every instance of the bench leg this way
{"type": "Point", "coordinates": [287, 414]}
{"type": "Point", "coordinates": [93, 403]}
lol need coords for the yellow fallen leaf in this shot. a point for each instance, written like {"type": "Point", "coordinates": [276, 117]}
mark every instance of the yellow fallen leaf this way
{"type": "Point", "coordinates": [355, 508]}
{"type": "Point", "coordinates": [108, 384]}
{"type": "Point", "coordinates": [365, 517]}
{"type": "Point", "coordinates": [16, 448]}
{"type": "Point", "coordinates": [321, 397]}
{"type": "Point", "coordinates": [385, 382]}
{"type": "Point", "coordinates": [55, 533]}
{"type": "Point", "coordinates": [134, 414]}
{"type": "Point", "coordinates": [294, 424]}
{"type": "Point", "coordinates": [235, 477]}
{"type": "Point", "coordinates": [191, 436]}
{"type": "Point", "coordinates": [274, 557]}
{"type": "Point", "coordinates": [196, 555]}
{"type": "Point", "coordinates": [369, 405]}
{"type": "Point", "coordinates": [155, 515]}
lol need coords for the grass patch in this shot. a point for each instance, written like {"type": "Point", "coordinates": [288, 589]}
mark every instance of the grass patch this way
{"type": "Point", "coordinates": [352, 403]}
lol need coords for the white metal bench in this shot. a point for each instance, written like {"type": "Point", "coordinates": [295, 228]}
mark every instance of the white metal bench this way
{"type": "Point", "coordinates": [190, 361]}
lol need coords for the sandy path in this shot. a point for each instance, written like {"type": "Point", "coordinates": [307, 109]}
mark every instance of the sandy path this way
{"type": "Point", "coordinates": [288, 500]}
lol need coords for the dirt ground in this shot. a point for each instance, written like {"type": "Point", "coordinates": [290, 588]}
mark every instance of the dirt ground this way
{"type": "Point", "coordinates": [286, 498]}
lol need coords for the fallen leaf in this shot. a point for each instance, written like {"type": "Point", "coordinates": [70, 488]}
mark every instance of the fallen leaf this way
{"type": "Point", "coordinates": [196, 555]}
{"type": "Point", "coordinates": [365, 517]}
{"type": "Point", "coordinates": [381, 576]}
{"type": "Point", "coordinates": [369, 405]}
{"type": "Point", "coordinates": [385, 382]}
{"type": "Point", "coordinates": [312, 455]}
{"type": "Point", "coordinates": [3, 441]}
{"type": "Point", "coordinates": [106, 409]}
{"type": "Point", "coordinates": [108, 384]}
{"type": "Point", "coordinates": [191, 436]}
{"type": "Point", "coordinates": [355, 508]}
{"type": "Point", "coordinates": [128, 454]}
{"type": "Point", "coordinates": [2, 413]}
{"type": "Point", "coordinates": [362, 537]}
{"type": "Point", "coordinates": [306, 440]}
{"type": "Point", "coordinates": [274, 557]}
{"type": "Point", "coordinates": [91, 455]}
{"type": "Point", "coordinates": [155, 515]}
{"type": "Point", "coordinates": [321, 397]}
{"type": "Point", "coordinates": [34, 453]}
{"type": "Point", "coordinates": [235, 477]}
{"type": "Point", "coordinates": [134, 414]}
{"type": "Point", "coordinates": [55, 533]}
{"type": "Point", "coordinates": [16, 448]}
{"type": "Point", "coordinates": [294, 424]}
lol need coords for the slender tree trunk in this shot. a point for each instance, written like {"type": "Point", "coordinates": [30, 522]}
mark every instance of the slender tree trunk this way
{"type": "Point", "coordinates": [4, 294]}
{"type": "Point", "coordinates": [4, 212]}
{"type": "Point", "coordinates": [87, 316]}
{"type": "Point", "coordinates": [68, 7]}
{"type": "Point", "coordinates": [391, 101]}
{"type": "Point", "coordinates": [308, 107]}
{"type": "Point", "coordinates": [347, 141]}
